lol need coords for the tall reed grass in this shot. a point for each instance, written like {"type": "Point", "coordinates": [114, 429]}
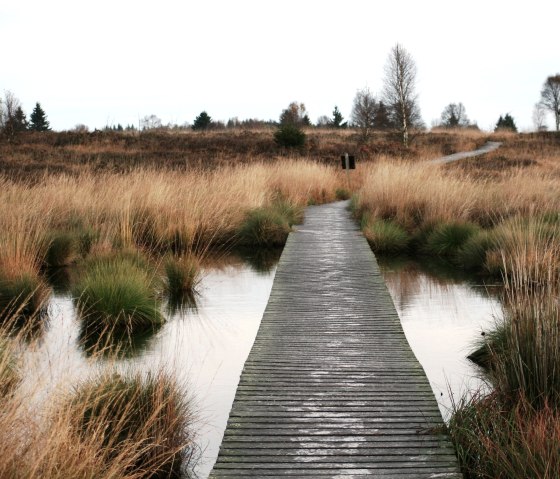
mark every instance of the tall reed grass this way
{"type": "Point", "coordinates": [144, 416]}
{"type": "Point", "coordinates": [112, 425]}
{"type": "Point", "coordinates": [62, 219]}
{"type": "Point", "coordinates": [495, 215]}
{"type": "Point", "coordinates": [470, 220]}
{"type": "Point", "coordinates": [514, 432]}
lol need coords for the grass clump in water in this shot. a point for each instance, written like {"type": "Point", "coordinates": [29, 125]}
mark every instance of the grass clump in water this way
{"type": "Point", "coordinates": [497, 438]}
{"type": "Point", "coordinates": [269, 225]}
{"type": "Point", "coordinates": [22, 296]}
{"type": "Point", "coordinates": [448, 238]}
{"type": "Point", "coordinates": [182, 274]}
{"type": "Point", "coordinates": [117, 294]}
{"type": "Point", "coordinates": [386, 237]}
{"type": "Point", "coordinates": [472, 255]}
{"type": "Point", "coordinates": [66, 246]}
{"type": "Point", "coordinates": [143, 420]}
{"type": "Point", "coordinates": [491, 344]}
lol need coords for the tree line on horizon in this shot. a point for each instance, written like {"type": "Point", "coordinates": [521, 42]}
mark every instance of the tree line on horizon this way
{"type": "Point", "coordinates": [13, 120]}
{"type": "Point", "coordinates": [396, 108]}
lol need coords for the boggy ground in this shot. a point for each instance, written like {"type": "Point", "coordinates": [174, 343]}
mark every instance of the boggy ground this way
{"type": "Point", "coordinates": [496, 215]}
{"type": "Point", "coordinates": [150, 205]}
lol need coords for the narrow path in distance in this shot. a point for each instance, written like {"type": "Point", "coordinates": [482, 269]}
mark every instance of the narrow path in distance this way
{"type": "Point", "coordinates": [487, 148]}
{"type": "Point", "coordinates": [331, 387]}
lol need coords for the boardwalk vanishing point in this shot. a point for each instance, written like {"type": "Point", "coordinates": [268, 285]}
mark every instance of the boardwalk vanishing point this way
{"type": "Point", "coordinates": [331, 387]}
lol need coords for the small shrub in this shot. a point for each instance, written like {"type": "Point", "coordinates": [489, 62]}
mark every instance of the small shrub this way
{"type": "Point", "coordinates": [263, 227]}
{"type": "Point", "coordinates": [145, 419]}
{"type": "Point", "coordinates": [289, 136]}
{"type": "Point", "coordinates": [531, 352]}
{"type": "Point", "coordinates": [66, 246]}
{"type": "Point", "coordinates": [117, 294]}
{"type": "Point", "coordinates": [420, 235]}
{"type": "Point", "coordinates": [448, 238]}
{"type": "Point", "coordinates": [386, 237]}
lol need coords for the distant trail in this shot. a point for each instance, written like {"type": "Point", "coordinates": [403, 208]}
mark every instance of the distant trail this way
{"type": "Point", "coordinates": [487, 148]}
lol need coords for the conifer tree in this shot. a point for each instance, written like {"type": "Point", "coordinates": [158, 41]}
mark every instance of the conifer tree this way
{"type": "Point", "coordinates": [38, 119]}
{"type": "Point", "coordinates": [506, 122]}
{"type": "Point", "coordinates": [20, 120]}
{"type": "Point", "coordinates": [337, 119]}
{"type": "Point", "coordinates": [202, 121]}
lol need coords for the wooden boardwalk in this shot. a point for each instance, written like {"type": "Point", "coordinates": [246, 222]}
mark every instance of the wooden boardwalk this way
{"type": "Point", "coordinates": [331, 387]}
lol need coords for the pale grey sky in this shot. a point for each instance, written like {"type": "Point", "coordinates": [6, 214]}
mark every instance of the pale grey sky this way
{"type": "Point", "coordinates": [115, 61]}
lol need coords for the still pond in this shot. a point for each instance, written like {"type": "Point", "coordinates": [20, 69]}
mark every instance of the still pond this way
{"type": "Point", "coordinates": [207, 342]}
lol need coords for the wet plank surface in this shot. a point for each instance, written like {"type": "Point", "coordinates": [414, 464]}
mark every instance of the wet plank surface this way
{"type": "Point", "coordinates": [331, 387]}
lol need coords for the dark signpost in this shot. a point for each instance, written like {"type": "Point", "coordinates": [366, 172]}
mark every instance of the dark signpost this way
{"type": "Point", "coordinates": [348, 162]}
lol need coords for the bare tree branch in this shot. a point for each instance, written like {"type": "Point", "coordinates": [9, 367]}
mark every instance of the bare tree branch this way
{"type": "Point", "coordinates": [399, 90]}
{"type": "Point", "coordinates": [364, 111]}
{"type": "Point", "coordinates": [550, 97]}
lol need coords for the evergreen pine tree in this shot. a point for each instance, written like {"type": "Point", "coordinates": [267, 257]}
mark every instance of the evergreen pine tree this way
{"type": "Point", "coordinates": [38, 119]}
{"type": "Point", "coordinates": [507, 122]}
{"type": "Point", "coordinates": [16, 123]}
{"type": "Point", "coordinates": [337, 119]}
{"type": "Point", "coordinates": [20, 120]}
{"type": "Point", "coordinates": [202, 121]}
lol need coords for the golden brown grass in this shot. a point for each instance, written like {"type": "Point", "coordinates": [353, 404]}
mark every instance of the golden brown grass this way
{"type": "Point", "coordinates": [512, 194]}
{"type": "Point", "coordinates": [112, 426]}
{"type": "Point", "coordinates": [425, 193]}
{"type": "Point", "coordinates": [150, 208]}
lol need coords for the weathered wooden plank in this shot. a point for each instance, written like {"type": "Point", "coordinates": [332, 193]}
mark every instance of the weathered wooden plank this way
{"type": "Point", "coordinates": [342, 474]}
{"type": "Point", "coordinates": [331, 387]}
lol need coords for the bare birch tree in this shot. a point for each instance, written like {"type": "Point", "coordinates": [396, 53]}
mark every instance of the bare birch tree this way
{"type": "Point", "coordinates": [550, 97]}
{"type": "Point", "coordinates": [399, 90]}
{"type": "Point", "coordinates": [454, 115]}
{"type": "Point", "coordinates": [363, 112]}
{"type": "Point", "coordinates": [539, 117]}
{"type": "Point", "coordinates": [10, 114]}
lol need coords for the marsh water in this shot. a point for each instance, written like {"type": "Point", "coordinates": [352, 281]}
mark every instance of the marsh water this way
{"type": "Point", "coordinates": [206, 343]}
{"type": "Point", "coordinates": [443, 314]}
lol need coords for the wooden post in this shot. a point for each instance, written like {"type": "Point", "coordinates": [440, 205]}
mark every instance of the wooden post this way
{"type": "Point", "coordinates": [347, 168]}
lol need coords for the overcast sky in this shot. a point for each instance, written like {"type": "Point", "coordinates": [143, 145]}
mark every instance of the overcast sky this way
{"type": "Point", "coordinates": [115, 61]}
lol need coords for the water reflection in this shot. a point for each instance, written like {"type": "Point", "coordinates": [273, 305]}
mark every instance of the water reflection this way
{"type": "Point", "coordinates": [261, 260]}
{"type": "Point", "coordinates": [59, 278]}
{"type": "Point", "coordinates": [183, 303]}
{"type": "Point", "coordinates": [443, 312]}
{"type": "Point", "coordinates": [205, 342]}
{"type": "Point", "coordinates": [115, 344]}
